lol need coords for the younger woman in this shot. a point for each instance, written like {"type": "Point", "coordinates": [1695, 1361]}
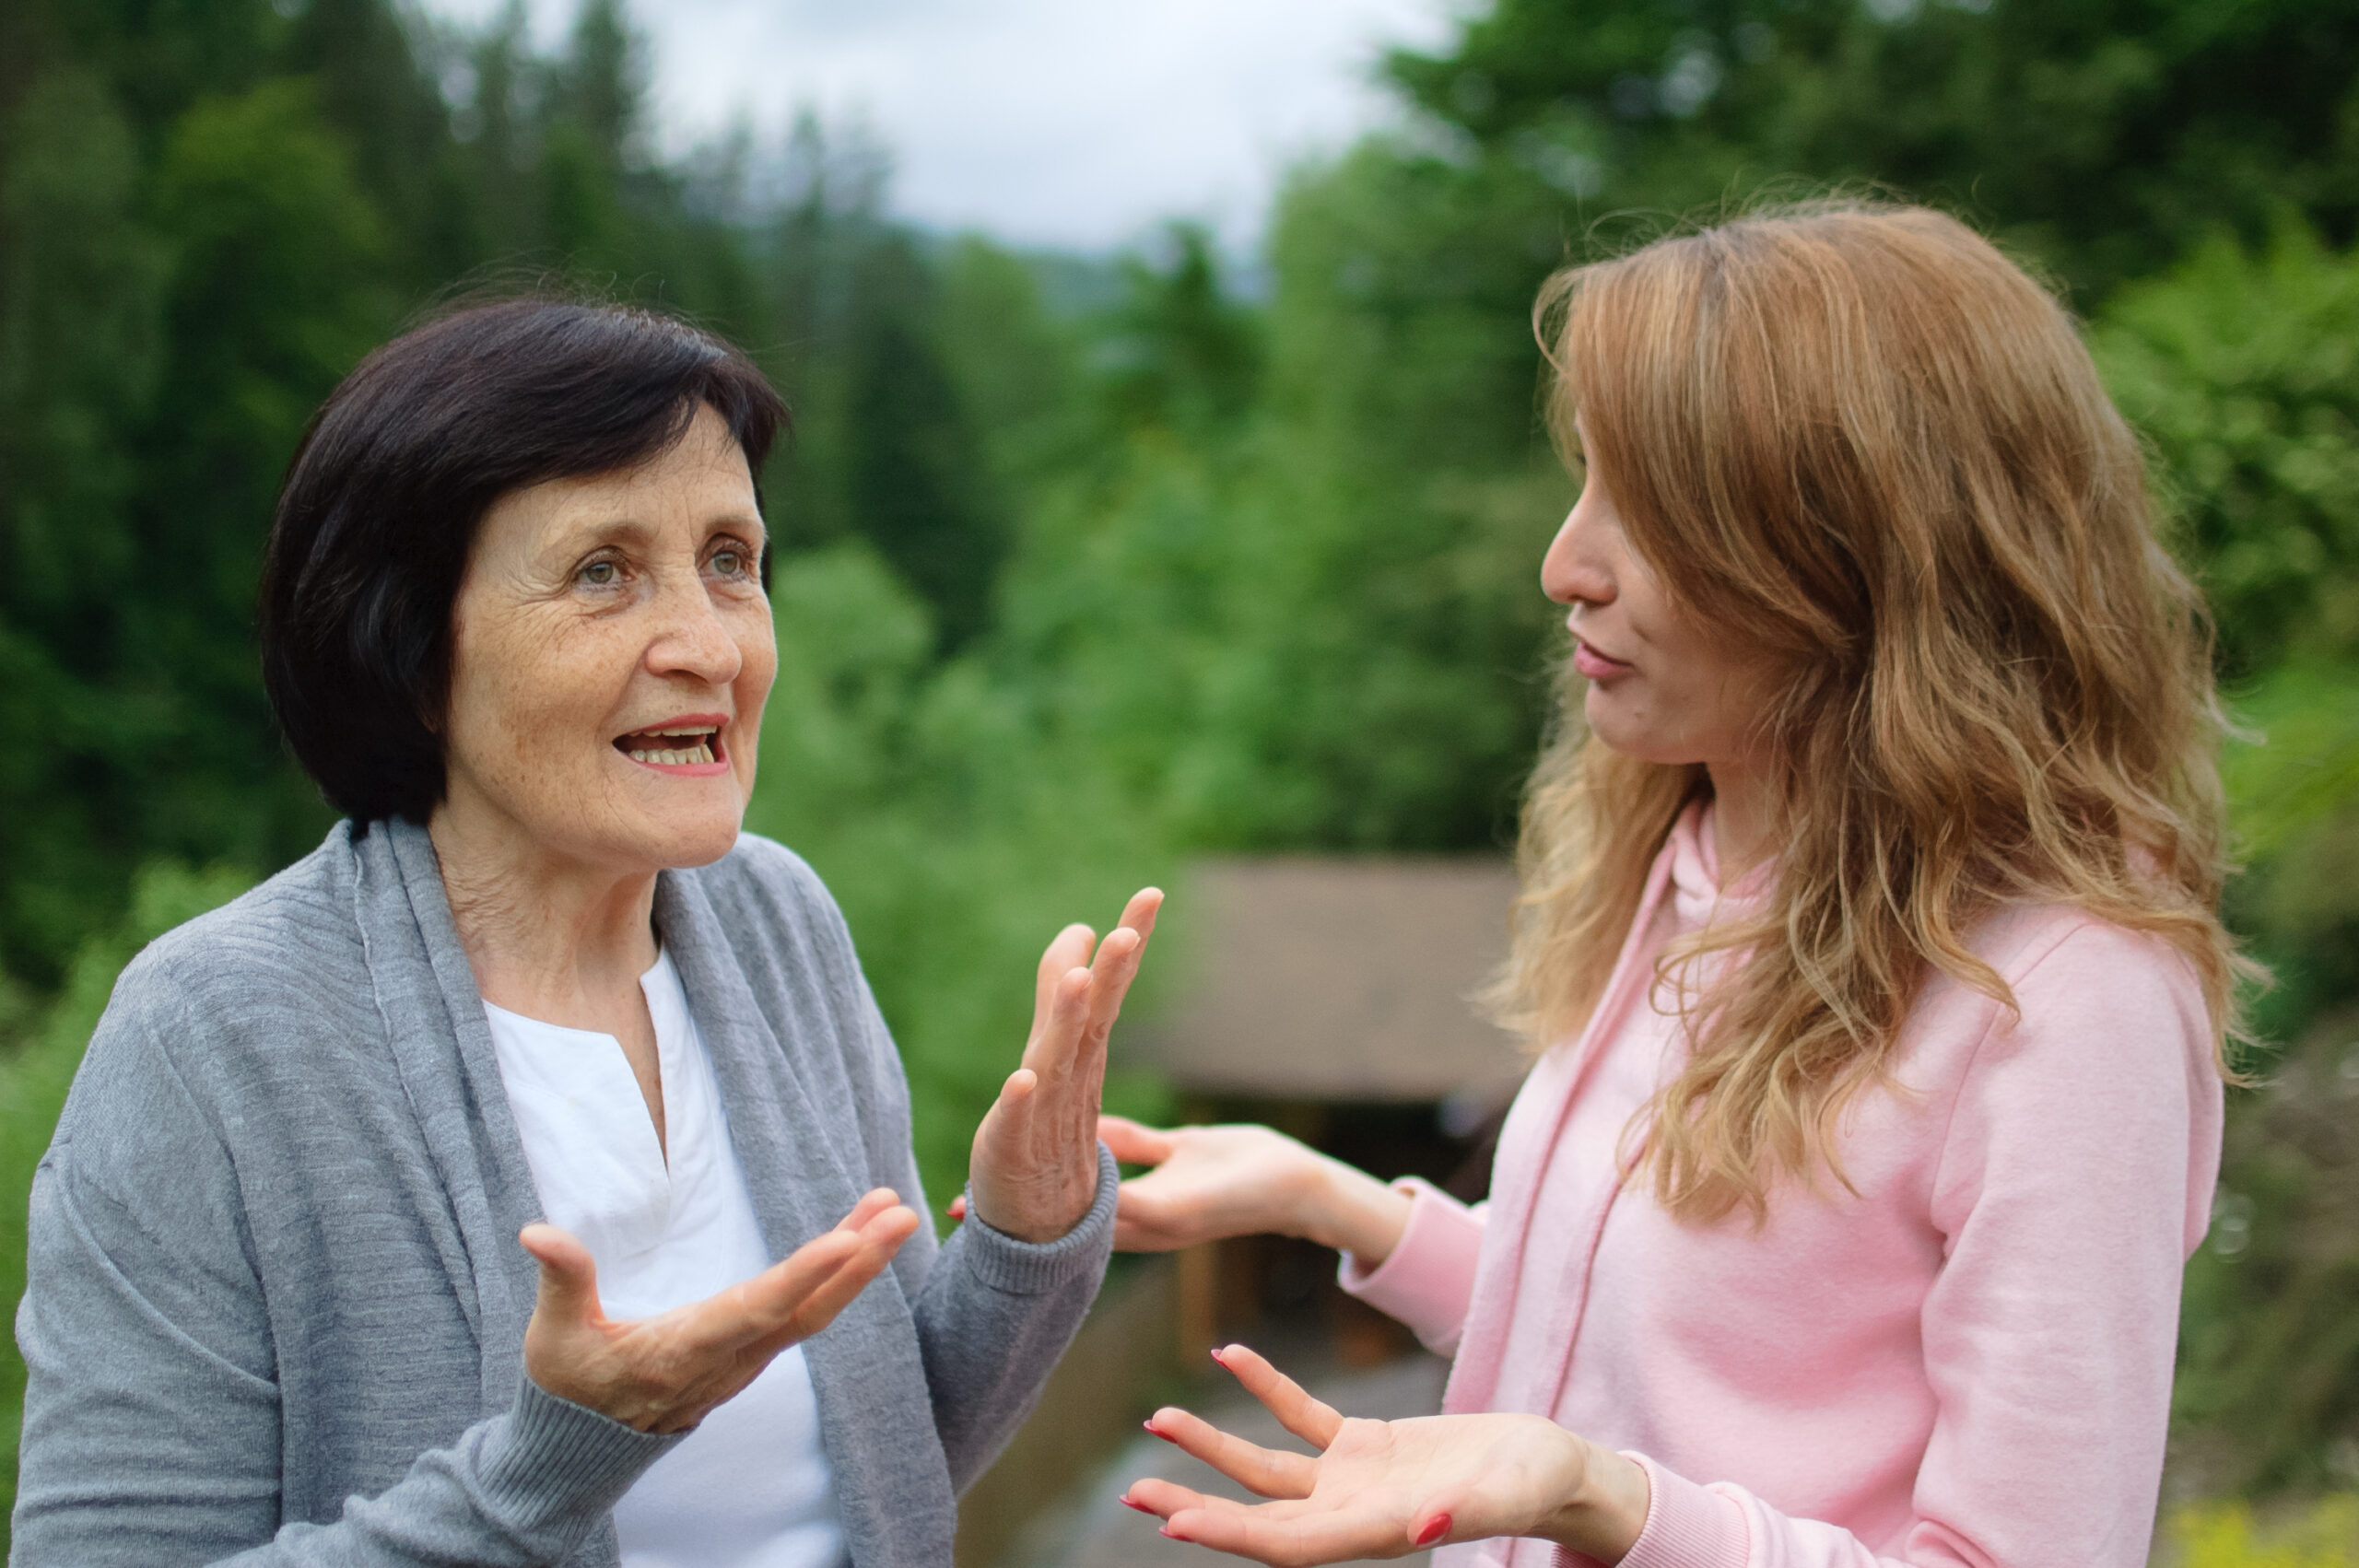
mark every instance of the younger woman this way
{"type": "Point", "coordinates": [1869, 932]}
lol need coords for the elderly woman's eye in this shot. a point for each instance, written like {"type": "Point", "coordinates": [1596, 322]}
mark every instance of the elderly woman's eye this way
{"type": "Point", "coordinates": [731, 561]}
{"type": "Point", "coordinates": [601, 574]}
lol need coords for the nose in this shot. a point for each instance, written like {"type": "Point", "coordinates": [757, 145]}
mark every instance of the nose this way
{"type": "Point", "coordinates": [691, 639]}
{"type": "Point", "coordinates": [1579, 567]}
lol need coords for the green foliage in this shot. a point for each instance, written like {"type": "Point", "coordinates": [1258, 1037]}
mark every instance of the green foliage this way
{"type": "Point", "coordinates": [995, 839]}
{"type": "Point", "coordinates": [2269, 1380]}
{"type": "Point", "coordinates": [2101, 134]}
{"type": "Point", "coordinates": [2244, 369]}
{"type": "Point", "coordinates": [37, 1068]}
{"type": "Point", "coordinates": [2225, 1535]}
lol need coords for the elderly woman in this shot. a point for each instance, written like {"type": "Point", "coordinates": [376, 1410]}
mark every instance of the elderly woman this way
{"type": "Point", "coordinates": [537, 990]}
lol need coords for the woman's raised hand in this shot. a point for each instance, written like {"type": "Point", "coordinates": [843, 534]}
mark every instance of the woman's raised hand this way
{"type": "Point", "coordinates": [1387, 1488]}
{"type": "Point", "coordinates": [1035, 1166]}
{"type": "Point", "coordinates": [1212, 1182]}
{"type": "Point", "coordinates": [664, 1372]}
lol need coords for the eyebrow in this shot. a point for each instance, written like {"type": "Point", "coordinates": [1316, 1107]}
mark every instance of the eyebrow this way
{"type": "Point", "coordinates": [630, 528]}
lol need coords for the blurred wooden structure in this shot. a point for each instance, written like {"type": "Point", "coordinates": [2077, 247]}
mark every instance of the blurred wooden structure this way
{"type": "Point", "coordinates": [1109, 1380]}
{"type": "Point", "coordinates": [1331, 998]}
{"type": "Point", "coordinates": [1324, 980]}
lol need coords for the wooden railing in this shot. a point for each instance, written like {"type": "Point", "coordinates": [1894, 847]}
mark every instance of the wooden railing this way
{"type": "Point", "coordinates": [1122, 1364]}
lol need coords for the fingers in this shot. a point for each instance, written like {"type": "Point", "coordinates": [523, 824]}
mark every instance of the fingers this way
{"type": "Point", "coordinates": [1132, 1143]}
{"type": "Point", "coordinates": [1140, 912]}
{"type": "Point", "coordinates": [1054, 1042]}
{"type": "Point", "coordinates": [871, 1204]}
{"type": "Point", "coordinates": [1018, 1087]}
{"type": "Point", "coordinates": [1110, 981]}
{"type": "Point", "coordinates": [1006, 1126]}
{"type": "Point", "coordinates": [796, 1297]}
{"type": "Point", "coordinates": [1082, 1007]}
{"type": "Point", "coordinates": [1286, 1534]}
{"type": "Point", "coordinates": [1072, 948]}
{"type": "Point", "coordinates": [881, 1239]}
{"type": "Point", "coordinates": [1152, 1495]}
{"type": "Point", "coordinates": [1266, 1471]}
{"type": "Point", "coordinates": [1314, 1422]}
{"type": "Point", "coordinates": [1068, 950]}
{"type": "Point", "coordinates": [568, 1287]}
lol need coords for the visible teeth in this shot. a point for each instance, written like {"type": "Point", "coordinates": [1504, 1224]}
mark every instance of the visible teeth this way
{"type": "Point", "coordinates": [674, 756]}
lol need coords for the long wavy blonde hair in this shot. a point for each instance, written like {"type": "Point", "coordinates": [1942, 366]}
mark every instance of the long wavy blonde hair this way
{"type": "Point", "coordinates": [1873, 453]}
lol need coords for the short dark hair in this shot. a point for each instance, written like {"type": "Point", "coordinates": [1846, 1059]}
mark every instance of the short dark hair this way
{"type": "Point", "coordinates": [382, 501]}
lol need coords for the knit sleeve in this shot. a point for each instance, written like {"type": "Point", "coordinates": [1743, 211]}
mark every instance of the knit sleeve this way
{"type": "Point", "coordinates": [1428, 1280]}
{"type": "Point", "coordinates": [152, 1425]}
{"type": "Point", "coordinates": [2072, 1186]}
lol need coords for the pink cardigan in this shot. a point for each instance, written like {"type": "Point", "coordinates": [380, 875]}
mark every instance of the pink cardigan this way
{"type": "Point", "coordinates": [1965, 1359]}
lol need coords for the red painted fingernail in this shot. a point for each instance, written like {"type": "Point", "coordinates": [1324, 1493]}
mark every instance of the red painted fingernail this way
{"type": "Point", "coordinates": [1220, 1354]}
{"type": "Point", "coordinates": [1434, 1531]}
{"type": "Point", "coordinates": [1158, 1431]}
{"type": "Point", "coordinates": [1140, 1506]}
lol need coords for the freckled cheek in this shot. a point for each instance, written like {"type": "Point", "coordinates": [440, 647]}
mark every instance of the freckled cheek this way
{"type": "Point", "coordinates": [751, 693]}
{"type": "Point", "coordinates": [555, 696]}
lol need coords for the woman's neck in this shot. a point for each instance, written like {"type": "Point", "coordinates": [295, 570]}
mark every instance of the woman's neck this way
{"type": "Point", "coordinates": [548, 936]}
{"type": "Point", "coordinates": [1742, 801]}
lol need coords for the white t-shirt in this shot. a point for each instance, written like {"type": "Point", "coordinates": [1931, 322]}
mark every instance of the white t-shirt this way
{"type": "Point", "coordinates": [750, 1487]}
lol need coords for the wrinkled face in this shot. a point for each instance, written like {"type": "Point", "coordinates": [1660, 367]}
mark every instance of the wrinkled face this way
{"type": "Point", "coordinates": [611, 652]}
{"type": "Point", "coordinates": [1660, 687]}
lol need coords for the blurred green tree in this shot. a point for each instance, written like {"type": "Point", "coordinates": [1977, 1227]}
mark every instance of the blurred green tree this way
{"type": "Point", "coordinates": [2242, 367]}
{"type": "Point", "coordinates": [2104, 134]}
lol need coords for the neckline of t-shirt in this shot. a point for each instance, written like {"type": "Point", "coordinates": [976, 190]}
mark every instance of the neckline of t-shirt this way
{"type": "Point", "coordinates": [662, 960]}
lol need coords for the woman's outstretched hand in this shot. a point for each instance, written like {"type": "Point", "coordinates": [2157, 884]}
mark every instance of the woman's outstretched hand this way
{"type": "Point", "coordinates": [664, 1372]}
{"type": "Point", "coordinates": [1212, 1182]}
{"type": "Point", "coordinates": [1387, 1488]}
{"type": "Point", "coordinates": [1035, 1166]}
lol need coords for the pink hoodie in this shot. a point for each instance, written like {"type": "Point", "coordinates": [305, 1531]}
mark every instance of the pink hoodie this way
{"type": "Point", "coordinates": [1964, 1359]}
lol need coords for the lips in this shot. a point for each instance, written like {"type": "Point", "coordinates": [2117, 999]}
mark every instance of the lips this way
{"type": "Point", "coordinates": [1597, 666]}
{"type": "Point", "coordinates": [690, 743]}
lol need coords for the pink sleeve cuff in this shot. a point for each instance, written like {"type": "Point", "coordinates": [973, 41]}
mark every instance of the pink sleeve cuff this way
{"type": "Point", "coordinates": [1428, 1279]}
{"type": "Point", "coordinates": [1688, 1526]}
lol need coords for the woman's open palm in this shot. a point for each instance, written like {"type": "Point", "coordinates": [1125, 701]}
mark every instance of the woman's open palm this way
{"type": "Point", "coordinates": [668, 1372]}
{"type": "Point", "coordinates": [1374, 1487]}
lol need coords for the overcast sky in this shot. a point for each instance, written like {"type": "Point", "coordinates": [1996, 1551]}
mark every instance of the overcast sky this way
{"type": "Point", "coordinates": [1068, 123]}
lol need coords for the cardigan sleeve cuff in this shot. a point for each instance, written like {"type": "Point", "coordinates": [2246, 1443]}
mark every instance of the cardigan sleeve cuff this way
{"type": "Point", "coordinates": [1428, 1280]}
{"type": "Point", "coordinates": [557, 1457]}
{"type": "Point", "coordinates": [1688, 1526]}
{"type": "Point", "coordinates": [1031, 1268]}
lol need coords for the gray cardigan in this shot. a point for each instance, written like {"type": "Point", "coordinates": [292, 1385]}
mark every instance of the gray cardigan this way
{"type": "Point", "coordinates": [275, 1306]}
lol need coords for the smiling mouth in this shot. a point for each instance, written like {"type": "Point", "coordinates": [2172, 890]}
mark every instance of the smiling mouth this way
{"type": "Point", "coordinates": [685, 746]}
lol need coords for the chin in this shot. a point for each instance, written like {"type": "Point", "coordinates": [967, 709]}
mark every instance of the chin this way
{"type": "Point", "coordinates": [687, 848]}
{"type": "Point", "coordinates": [1635, 740]}
{"type": "Point", "coordinates": [681, 838]}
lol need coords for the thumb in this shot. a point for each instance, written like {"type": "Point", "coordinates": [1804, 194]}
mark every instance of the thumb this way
{"type": "Point", "coordinates": [569, 1288]}
{"type": "Point", "coordinates": [1132, 1143]}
